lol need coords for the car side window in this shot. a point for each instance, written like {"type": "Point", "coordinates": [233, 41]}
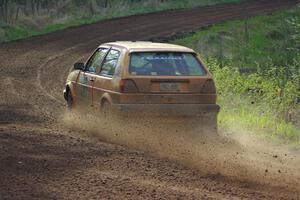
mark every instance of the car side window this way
{"type": "Point", "coordinates": [110, 62]}
{"type": "Point", "coordinates": [95, 61]}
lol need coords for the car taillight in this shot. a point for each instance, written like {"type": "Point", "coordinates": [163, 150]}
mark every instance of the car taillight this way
{"type": "Point", "coordinates": [128, 86]}
{"type": "Point", "coordinates": [209, 87]}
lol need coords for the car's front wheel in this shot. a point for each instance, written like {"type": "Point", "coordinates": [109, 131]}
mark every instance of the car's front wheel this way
{"type": "Point", "coordinates": [69, 99]}
{"type": "Point", "coordinates": [106, 109]}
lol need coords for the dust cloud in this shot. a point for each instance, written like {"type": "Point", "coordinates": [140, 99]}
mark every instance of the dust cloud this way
{"type": "Point", "coordinates": [235, 155]}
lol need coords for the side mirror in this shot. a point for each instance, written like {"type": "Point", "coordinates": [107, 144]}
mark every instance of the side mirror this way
{"type": "Point", "coordinates": [79, 66]}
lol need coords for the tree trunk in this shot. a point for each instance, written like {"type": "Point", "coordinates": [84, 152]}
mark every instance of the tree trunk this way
{"type": "Point", "coordinates": [17, 13]}
{"type": "Point", "coordinates": [5, 11]}
{"type": "Point", "coordinates": [2, 10]}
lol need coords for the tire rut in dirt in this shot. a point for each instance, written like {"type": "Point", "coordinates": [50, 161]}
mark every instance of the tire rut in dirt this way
{"type": "Point", "coordinates": [40, 157]}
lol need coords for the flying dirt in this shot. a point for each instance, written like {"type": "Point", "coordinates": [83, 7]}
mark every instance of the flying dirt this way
{"type": "Point", "coordinates": [49, 153]}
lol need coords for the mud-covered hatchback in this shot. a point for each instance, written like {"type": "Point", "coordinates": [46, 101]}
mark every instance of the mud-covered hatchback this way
{"type": "Point", "coordinates": [144, 78]}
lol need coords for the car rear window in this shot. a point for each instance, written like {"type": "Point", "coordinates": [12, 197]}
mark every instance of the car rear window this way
{"type": "Point", "coordinates": [165, 64]}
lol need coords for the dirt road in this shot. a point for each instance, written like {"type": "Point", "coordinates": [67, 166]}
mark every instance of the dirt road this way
{"type": "Point", "coordinates": [41, 158]}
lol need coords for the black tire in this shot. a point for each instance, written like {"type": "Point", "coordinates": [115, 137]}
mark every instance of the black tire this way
{"type": "Point", "coordinates": [69, 100]}
{"type": "Point", "coordinates": [106, 109]}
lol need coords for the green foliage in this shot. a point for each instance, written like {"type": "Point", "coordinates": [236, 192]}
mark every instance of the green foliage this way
{"type": "Point", "coordinates": [268, 92]}
{"type": "Point", "coordinates": [256, 66]}
{"type": "Point", "coordinates": [27, 18]}
{"type": "Point", "coordinates": [256, 103]}
{"type": "Point", "coordinates": [13, 33]}
{"type": "Point", "coordinates": [252, 119]}
{"type": "Point", "coordinates": [254, 44]}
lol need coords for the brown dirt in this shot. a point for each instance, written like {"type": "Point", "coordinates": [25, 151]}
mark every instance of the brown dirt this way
{"type": "Point", "coordinates": [42, 158]}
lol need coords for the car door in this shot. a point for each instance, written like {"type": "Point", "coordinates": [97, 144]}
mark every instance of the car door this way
{"type": "Point", "coordinates": [104, 82]}
{"type": "Point", "coordinates": [86, 77]}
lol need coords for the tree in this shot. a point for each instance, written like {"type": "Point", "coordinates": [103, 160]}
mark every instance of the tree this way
{"type": "Point", "coordinates": [4, 10]}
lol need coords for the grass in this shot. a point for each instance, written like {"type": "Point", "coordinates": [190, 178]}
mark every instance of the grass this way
{"type": "Point", "coordinates": [20, 30]}
{"type": "Point", "coordinates": [270, 39]}
{"type": "Point", "coordinates": [257, 73]}
{"type": "Point", "coordinates": [239, 113]}
{"type": "Point", "coordinates": [262, 113]}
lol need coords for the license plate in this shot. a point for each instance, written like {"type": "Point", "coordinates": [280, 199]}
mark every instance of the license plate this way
{"type": "Point", "coordinates": [170, 87]}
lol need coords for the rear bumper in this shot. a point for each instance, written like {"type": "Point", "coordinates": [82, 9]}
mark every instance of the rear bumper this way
{"type": "Point", "coordinates": [184, 110]}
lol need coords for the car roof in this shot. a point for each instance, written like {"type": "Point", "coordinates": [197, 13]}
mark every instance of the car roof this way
{"type": "Point", "coordinates": [145, 46]}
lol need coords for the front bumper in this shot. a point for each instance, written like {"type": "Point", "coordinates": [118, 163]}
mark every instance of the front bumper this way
{"type": "Point", "coordinates": [180, 110]}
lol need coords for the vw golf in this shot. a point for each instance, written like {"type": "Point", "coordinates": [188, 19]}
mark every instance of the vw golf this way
{"type": "Point", "coordinates": [144, 79]}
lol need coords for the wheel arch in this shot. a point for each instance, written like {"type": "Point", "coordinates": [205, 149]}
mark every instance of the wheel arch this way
{"type": "Point", "coordinates": [69, 88]}
{"type": "Point", "coordinates": [105, 97]}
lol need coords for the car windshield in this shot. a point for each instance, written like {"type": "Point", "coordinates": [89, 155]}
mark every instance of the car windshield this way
{"type": "Point", "coordinates": [165, 64]}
